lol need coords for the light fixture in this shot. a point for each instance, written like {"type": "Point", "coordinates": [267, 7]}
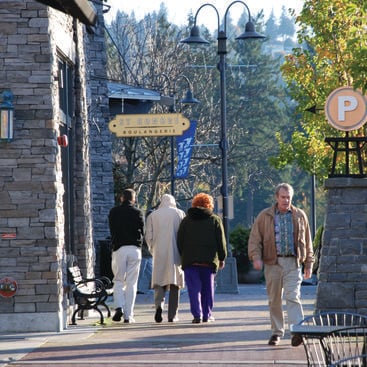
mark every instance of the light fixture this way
{"type": "Point", "coordinates": [6, 115]}
{"type": "Point", "coordinates": [189, 98]}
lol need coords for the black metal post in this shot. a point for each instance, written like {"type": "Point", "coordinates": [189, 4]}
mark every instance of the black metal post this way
{"type": "Point", "coordinates": [227, 280]}
{"type": "Point", "coordinates": [223, 141]}
{"type": "Point", "coordinates": [172, 166]}
{"type": "Point", "coordinates": [313, 205]}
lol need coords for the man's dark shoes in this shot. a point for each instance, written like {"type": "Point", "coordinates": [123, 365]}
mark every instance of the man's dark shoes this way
{"type": "Point", "coordinates": [274, 340]}
{"type": "Point", "coordinates": [158, 315]}
{"type": "Point", "coordinates": [118, 314]}
{"type": "Point", "coordinates": [296, 340]}
{"type": "Point", "coordinates": [196, 320]}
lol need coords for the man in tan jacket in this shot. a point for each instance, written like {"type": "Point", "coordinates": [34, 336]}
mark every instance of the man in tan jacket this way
{"type": "Point", "coordinates": [280, 240]}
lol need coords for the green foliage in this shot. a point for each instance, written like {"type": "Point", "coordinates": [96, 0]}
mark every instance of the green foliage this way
{"type": "Point", "coordinates": [271, 27]}
{"type": "Point", "coordinates": [318, 237]}
{"type": "Point", "coordinates": [332, 52]}
{"type": "Point", "coordinates": [317, 244]}
{"type": "Point", "coordinates": [238, 239]}
{"type": "Point", "coordinates": [286, 26]}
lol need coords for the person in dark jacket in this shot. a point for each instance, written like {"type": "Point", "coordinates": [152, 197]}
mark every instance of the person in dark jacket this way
{"type": "Point", "coordinates": [202, 245]}
{"type": "Point", "coordinates": [127, 228]}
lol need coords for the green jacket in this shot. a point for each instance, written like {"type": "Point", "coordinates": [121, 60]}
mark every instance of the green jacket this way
{"type": "Point", "coordinates": [201, 239]}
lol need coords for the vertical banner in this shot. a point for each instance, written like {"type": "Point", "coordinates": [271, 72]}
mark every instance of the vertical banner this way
{"type": "Point", "coordinates": [184, 149]}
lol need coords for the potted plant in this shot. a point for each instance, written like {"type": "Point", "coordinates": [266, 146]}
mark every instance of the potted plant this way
{"type": "Point", "coordinates": [239, 240]}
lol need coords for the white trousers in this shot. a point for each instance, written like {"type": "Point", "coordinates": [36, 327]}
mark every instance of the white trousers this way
{"type": "Point", "coordinates": [125, 267]}
{"type": "Point", "coordinates": [284, 280]}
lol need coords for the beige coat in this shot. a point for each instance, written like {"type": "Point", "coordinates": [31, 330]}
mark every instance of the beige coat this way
{"type": "Point", "coordinates": [261, 244]}
{"type": "Point", "coordinates": [161, 237]}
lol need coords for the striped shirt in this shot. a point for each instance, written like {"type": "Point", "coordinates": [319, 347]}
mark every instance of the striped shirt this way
{"type": "Point", "coordinates": [284, 239]}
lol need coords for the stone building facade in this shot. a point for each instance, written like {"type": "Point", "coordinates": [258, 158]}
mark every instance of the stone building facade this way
{"type": "Point", "coordinates": [343, 264]}
{"type": "Point", "coordinates": [54, 200]}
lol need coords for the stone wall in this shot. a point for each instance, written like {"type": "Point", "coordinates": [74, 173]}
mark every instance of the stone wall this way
{"type": "Point", "coordinates": [102, 194]}
{"type": "Point", "coordinates": [343, 266]}
{"type": "Point", "coordinates": [30, 180]}
{"type": "Point", "coordinates": [31, 175]}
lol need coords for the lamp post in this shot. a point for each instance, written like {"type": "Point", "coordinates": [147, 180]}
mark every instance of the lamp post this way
{"type": "Point", "coordinates": [195, 38]}
{"type": "Point", "coordinates": [188, 99]}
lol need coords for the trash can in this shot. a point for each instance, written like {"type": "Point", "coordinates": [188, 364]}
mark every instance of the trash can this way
{"type": "Point", "coordinates": [105, 251]}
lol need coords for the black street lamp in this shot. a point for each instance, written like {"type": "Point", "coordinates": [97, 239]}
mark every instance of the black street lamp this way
{"type": "Point", "coordinates": [195, 38]}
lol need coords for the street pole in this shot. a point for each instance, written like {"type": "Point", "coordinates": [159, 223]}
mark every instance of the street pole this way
{"type": "Point", "coordinates": [189, 99]}
{"type": "Point", "coordinates": [227, 281]}
{"type": "Point", "coordinates": [223, 141]}
{"type": "Point", "coordinates": [313, 205]}
{"type": "Point", "coordinates": [172, 166]}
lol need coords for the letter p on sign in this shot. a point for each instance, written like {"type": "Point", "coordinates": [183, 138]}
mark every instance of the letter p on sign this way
{"type": "Point", "coordinates": [345, 109]}
{"type": "Point", "coordinates": [346, 104]}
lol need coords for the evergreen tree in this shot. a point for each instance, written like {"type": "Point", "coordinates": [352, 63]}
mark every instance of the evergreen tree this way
{"type": "Point", "coordinates": [286, 24]}
{"type": "Point", "coordinates": [272, 28]}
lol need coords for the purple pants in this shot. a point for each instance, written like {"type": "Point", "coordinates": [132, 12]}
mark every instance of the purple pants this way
{"type": "Point", "coordinates": [200, 286]}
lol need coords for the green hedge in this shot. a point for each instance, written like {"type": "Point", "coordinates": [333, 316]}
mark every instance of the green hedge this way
{"type": "Point", "coordinates": [238, 239]}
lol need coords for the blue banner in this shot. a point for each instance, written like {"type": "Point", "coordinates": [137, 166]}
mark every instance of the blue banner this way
{"type": "Point", "coordinates": [184, 149]}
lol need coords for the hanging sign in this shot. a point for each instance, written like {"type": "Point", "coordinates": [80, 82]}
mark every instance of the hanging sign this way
{"type": "Point", "coordinates": [164, 124]}
{"type": "Point", "coordinates": [184, 149]}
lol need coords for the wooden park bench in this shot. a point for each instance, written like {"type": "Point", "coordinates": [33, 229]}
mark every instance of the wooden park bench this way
{"type": "Point", "coordinates": [89, 294]}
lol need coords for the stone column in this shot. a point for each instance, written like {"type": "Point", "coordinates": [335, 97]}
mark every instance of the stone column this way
{"type": "Point", "coordinates": [343, 264]}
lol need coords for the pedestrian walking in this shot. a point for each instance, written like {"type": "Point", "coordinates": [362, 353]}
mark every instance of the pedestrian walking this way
{"type": "Point", "coordinates": [161, 237]}
{"type": "Point", "coordinates": [202, 246]}
{"type": "Point", "coordinates": [280, 240]}
{"type": "Point", "coordinates": [127, 227]}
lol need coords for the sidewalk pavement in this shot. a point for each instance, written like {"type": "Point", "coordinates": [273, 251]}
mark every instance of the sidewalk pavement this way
{"type": "Point", "coordinates": [238, 337]}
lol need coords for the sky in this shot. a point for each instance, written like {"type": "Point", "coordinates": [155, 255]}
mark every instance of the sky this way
{"type": "Point", "coordinates": [178, 10]}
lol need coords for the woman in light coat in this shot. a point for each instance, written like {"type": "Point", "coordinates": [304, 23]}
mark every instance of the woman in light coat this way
{"type": "Point", "coordinates": [161, 237]}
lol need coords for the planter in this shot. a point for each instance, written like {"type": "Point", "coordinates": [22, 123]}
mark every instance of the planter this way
{"type": "Point", "coordinates": [245, 272]}
{"type": "Point", "coordinates": [251, 276]}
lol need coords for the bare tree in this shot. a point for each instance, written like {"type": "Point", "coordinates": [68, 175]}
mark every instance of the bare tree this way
{"type": "Point", "coordinates": [148, 54]}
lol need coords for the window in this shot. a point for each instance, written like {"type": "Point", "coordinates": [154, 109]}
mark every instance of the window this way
{"type": "Point", "coordinates": [65, 91]}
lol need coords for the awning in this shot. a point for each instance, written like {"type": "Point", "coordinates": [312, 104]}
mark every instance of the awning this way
{"type": "Point", "coordinates": [123, 91]}
{"type": "Point", "coordinates": [80, 9]}
{"type": "Point", "coordinates": [128, 99]}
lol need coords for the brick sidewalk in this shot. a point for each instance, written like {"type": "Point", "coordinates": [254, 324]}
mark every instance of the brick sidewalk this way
{"type": "Point", "coordinates": [238, 337]}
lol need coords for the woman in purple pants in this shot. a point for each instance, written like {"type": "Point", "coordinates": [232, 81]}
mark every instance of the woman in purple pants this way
{"type": "Point", "coordinates": [202, 245]}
